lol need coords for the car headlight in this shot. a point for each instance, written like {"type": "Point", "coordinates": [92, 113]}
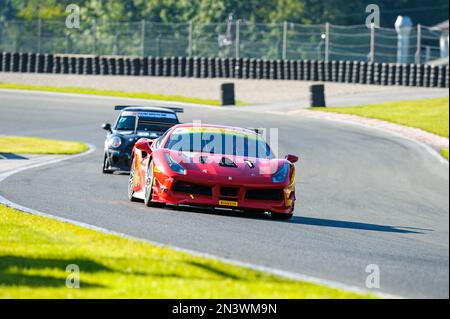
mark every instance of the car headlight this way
{"type": "Point", "coordinates": [281, 175]}
{"type": "Point", "coordinates": [115, 142]}
{"type": "Point", "coordinates": [174, 166]}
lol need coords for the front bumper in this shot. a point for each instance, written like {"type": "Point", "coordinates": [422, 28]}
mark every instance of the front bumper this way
{"type": "Point", "coordinates": [261, 197]}
{"type": "Point", "coordinates": [118, 160]}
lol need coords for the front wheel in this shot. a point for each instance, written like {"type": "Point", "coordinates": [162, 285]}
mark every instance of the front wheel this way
{"type": "Point", "coordinates": [149, 189]}
{"type": "Point", "coordinates": [131, 184]}
{"type": "Point", "coordinates": [106, 165]}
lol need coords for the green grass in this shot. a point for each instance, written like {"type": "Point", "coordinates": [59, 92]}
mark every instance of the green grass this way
{"type": "Point", "coordinates": [137, 95]}
{"type": "Point", "coordinates": [35, 251]}
{"type": "Point", "coordinates": [430, 115]}
{"type": "Point", "coordinates": [445, 153]}
{"type": "Point", "coordinates": [35, 145]}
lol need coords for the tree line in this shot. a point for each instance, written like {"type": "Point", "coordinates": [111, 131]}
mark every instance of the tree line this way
{"type": "Point", "coordinates": [342, 12]}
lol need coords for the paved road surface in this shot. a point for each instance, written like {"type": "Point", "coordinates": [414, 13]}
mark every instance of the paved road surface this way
{"type": "Point", "coordinates": [364, 197]}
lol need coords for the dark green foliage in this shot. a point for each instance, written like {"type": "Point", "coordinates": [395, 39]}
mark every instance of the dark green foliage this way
{"type": "Point", "coordinates": [342, 12]}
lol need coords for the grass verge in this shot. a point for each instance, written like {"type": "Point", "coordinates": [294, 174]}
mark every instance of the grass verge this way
{"type": "Point", "coordinates": [445, 153]}
{"type": "Point", "coordinates": [36, 145]}
{"type": "Point", "coordinates": [430, 115]}
{"type": "Point", "coordinates": [35, 252]}
{"type": "Point", "coordinates": [137, 95]}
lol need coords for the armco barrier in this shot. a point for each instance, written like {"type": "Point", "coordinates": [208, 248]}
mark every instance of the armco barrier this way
{"type": "Point", "coordinates": [355, 72]}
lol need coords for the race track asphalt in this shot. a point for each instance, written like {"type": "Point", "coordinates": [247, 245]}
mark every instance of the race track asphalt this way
{"type": "Point", "coordinates": [364, 196]}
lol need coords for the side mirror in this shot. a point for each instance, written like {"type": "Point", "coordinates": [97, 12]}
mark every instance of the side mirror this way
{"type": "Point", "coordinates": [107, 127]}
{"type": "Point", "coordinates": [292, 158]}
{"type": "Point", "coordinates": [144, 145]}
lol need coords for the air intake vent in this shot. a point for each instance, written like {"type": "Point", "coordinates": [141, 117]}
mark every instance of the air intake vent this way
{"type": "Point", "coordinates": [226, 162]}
{"type": "Point", "coordinates": [264, 194]}
{"type": "Point", "coordinates": [194, 189]}
{"type": "Point", "coordinates": [229, 191]}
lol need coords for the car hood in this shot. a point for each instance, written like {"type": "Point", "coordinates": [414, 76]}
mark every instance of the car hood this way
{"type": "Point", "coordinates": [227, 167]}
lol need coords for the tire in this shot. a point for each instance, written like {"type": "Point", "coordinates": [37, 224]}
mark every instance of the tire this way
{"type": "Point", "coordinates": [105, 166]}
{"type": "Point", "coordinates": [281, 216]}
{"type": "Point", "coordinates": [131, 184]}
{"type": "Point", "coordinates": [149, 189]}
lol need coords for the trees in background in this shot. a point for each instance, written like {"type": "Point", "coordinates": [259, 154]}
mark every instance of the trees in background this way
{"type": "Point", "coordinates": [343, 12]}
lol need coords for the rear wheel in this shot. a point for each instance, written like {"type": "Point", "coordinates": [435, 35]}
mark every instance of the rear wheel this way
{"type": "Point", "coordinates": [106, 165]}
{"type": "Point", "coordinates": [149, 189]}
{"type": "Point", "coordinates": [131, 184]}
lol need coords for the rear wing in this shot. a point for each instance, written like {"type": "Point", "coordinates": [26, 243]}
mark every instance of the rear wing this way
{"type": "Point", "coordinates": [173, 109]}
{"type": "Point", "coordinates": [259, 131]}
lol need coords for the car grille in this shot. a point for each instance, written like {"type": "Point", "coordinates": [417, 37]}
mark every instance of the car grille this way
{"type": "Point", "coordinates": [194, 189]}
{"type": "Point", "coordinates": [264, 194]}
{"type": "Point", "coordinates": [229, 191]}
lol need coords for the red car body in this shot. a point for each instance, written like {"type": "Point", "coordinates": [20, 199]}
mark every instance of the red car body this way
{"type": "Point", "coordinates": [210, 179]}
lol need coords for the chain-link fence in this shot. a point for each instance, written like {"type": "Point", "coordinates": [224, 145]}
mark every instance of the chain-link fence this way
{"type": "Point", "coordinates": [234, 39]}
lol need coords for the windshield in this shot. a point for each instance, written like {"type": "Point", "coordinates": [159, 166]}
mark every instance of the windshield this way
{"type": "Point", "coordinates": [148, 122]}
{"type": "Point", "coordinates": [126, 123]}
{"type": "Point", "coordinates": [222, 143]}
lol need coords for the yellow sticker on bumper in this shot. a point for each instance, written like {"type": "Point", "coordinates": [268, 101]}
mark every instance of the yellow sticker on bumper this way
{"type": "Point", "coordinates": [228, 203]}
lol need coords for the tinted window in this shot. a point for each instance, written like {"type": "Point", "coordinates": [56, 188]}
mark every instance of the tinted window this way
{"type": "Point", "coordinates": [147, 121]}
{"type": "Point", "coordinates": [161, 139]}
{"type": "Point", "coordinates": [126, 123]}
{"type": "Point", "coordinates": [219, 143]}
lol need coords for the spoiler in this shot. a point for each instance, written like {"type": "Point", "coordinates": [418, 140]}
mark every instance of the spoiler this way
{"type": "Point", "coordinates": [259, 131]}
{"type": "Point", "coordinates": [173, 109]}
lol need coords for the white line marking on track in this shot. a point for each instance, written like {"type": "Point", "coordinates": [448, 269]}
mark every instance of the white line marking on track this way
{"type": "Point", "coordinates": [269, 270]}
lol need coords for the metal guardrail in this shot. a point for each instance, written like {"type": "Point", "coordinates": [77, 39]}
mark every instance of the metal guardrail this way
{"type": "Point", "coordinates": [356, 72]}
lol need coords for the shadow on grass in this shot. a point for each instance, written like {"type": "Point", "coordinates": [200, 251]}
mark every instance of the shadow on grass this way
{"type": "Point", "coordinates": [215, 271]}
{"type": "Point", "coordinates": [12, 270]}
{"type": "Point", "coordinates": [223, 274]}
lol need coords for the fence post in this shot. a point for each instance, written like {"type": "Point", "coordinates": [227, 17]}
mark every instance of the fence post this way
{"type": "Point", "coordinates": [190, 38]}
{"type": "Point", "coordinates": [94, 37]}
{"type": "Point", "coordinates": [285, 31]}
{"type": "Point", "coordinates": [238, 27]}
{"type": "Point", "coordinates": [143, 38]}
{"type": "Point", "coordinates": [419, 44]}
{"type": "Point", "coordinates": [372, 43]}
{"type": "Point", "coordinates": [39, 35]}
{"type": "Point", "coordinates": [327, 42]}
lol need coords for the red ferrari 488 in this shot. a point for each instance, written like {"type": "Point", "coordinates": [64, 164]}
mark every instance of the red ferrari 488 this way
{"type": "Point", "coordinates": [213, 166]}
